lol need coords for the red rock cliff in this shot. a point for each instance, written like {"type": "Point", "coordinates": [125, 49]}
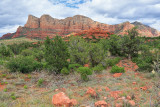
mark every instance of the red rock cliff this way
{"type": "Point", "coordinates": [48, 26]}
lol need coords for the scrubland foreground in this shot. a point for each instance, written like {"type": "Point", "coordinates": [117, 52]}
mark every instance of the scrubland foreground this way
{"type": "Point", "coordinates": [118, 71]}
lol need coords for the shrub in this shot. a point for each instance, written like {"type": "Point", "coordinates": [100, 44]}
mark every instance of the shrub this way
{"type": "Point", "coordinates": [114, 44]}
{"type": "Point", "coordinates": [144, 62]}
{"type": "Point", "coordinates": [38, 54]}
{"type": "Point", "coordinates": [27, 52]}
{"type": "Point", "coordinates": [5, 51]}
{"type": "Point", "coordinates": [116, 69]}
{"type": "Point", "coordinates": [25, 87]}
{"type": "Point", "coordinates": [96, 53]}
{"type": "Point", "coordinates": [78, 49]}
{"type": "Point", "coordinates": [65, 71]}
{"type": "Point", "coordinates": [74, 66]}
{"type": "Point", "coordinates": [17, 48]}
{"type": "Point", "coordinates": [98, 68]}
{"type": "Point", "coordinates": [40, 82]}
{"type": "Point", "coordinates": [23, 64]}
{"type": "Point", "coordinates": [84, 71]}
{"type": "Point", "coordinates": [56, 53]}
{"type": "Point", "coordinates": [112, 62]}
{"type": "Point", "coordinates": [13, 96]}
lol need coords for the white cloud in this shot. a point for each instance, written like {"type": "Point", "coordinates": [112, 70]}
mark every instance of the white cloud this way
{"type": "Point", "coordinates": [15, 12]}
{"type": "Point", "coordinates": [156, 25]}
{"type": "Point", "coordinates": [8, 29]}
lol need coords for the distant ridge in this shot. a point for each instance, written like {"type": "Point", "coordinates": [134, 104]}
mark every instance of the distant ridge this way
{"type": "Point", "coordinates": [48, 26]}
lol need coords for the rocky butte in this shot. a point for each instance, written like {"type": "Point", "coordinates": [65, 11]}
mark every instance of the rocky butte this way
{"type": "Point", "coordinates": [48, 26]}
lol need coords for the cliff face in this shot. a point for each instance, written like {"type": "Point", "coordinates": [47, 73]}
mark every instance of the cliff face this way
{"type": "Point", "coordinates": [48, 26]}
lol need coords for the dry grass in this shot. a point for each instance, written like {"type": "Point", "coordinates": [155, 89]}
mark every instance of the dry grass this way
{"type": "Point", "coordinates": [17, 40]}
{"type": "Point", "coordinates": [40, 96]}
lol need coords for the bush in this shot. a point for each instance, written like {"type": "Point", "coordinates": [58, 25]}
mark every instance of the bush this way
{"type": "Point", "coordinates": [98, 68]}
{"type": "Point", "coordinates": [17, 48]}
{"type": "Point", "coordinates": [65, 71]}
{"type": "Point", "coordinates": [84, 71]}
{"type": "Point", "coordinates": [5, 51]}
{"type": "Point", "coordinates": [112, 62]}
{"type": "Point", "coordinates": [96, 54]}
{"type": "Point", "coordinates": [56, 54]}
{"type": "Point", "coordinates": [38, 54]}
{"type": "Point", "coordinates": [144, 62]}
{"type": "Point", "coordinates": [23, 64]}
{"type": "Point", "coordinates": [27, 52]}
{"type": "Point", "coordinates": [116, 69]}
{"type": "Point", "coordinates": [40, 82]}
{"type": "Point", "coordinates": [78, 49]}
{"type": "Point", "coordinates": [74, 66]}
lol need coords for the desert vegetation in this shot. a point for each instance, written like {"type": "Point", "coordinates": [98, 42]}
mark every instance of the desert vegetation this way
{"type": "Point", "coordinates": [119, 70]}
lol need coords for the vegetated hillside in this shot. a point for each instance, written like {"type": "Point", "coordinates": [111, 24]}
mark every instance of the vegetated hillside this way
{"type": "Point", "coordinates": [17, 41]}
{"type": "Point", "coordinates": [48, 26]}
{"type": "Point", "coordinates": [119, 71]}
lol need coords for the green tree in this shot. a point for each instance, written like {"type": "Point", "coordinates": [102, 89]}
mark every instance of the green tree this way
{"type": "Point", "coordinates": [130, 44]}
{"type": "Point", "coordinates": [56, 53]}
{"type": "Point", "coordinates": [114, 45]}
{"type": "Point", "coordinates": [78, 48]}
{"type": "Point", "coordinates": [105, 44]}
{"type": "Point", "coordinates": [5, 51]}
{"type": "Point", "coordinates": [96, 53]}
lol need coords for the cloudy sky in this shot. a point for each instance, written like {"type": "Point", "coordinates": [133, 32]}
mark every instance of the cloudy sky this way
{"type": "Point", "coordinates": [14, 13]}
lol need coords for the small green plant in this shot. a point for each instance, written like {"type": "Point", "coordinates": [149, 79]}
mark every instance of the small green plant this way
{"type": "Point", "coordinates": [23, 64]}
{"type": "Point", "coordinates": [98, 68]}
{"type": "Point", "coordinates": [25, 87]}
{"type": "Point", "coordinates": [116, 69]}
{"type": "Point", "coordinates": [40, 82]}
{"type": "Point", "coordinates": [5, 90]}
{"type": "Point", "coordinates": [113, 61]}
{"type": "Point", "coordinates": [29, 76]}
{"type": "Point", "coordinates": [13, 96]}
{"type": "Point", "coordinates": [6, 82]}
{"type": "Point", "coordinates": [73, 67]}
{"type": "Point", "coordinates": [4, 75]}
{"type": "Point", "coordinates": [65, 71]}
{"type": "Point", "coordinates": [84, 71]}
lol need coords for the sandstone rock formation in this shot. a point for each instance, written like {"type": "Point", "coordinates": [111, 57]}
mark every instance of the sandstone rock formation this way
{"type": "Point", "coordinates": [48, 26]}
{"type": "Point", "coordinates": [61, 99]}
{"type": "Point", "coordinates": [7, 36]}
{"type": "Point", "coordinates": [101, 104]}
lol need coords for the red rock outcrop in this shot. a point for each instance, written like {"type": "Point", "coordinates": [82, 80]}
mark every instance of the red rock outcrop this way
{"type": "Point", "coordinates": [7, 36]}
{"type": "Point", "coordinates": [101, 104]}
{"type": "Point", "coordinates": [48, 26]}
{"type": "Point", "coordinates": [91, 92]}
{"type": "Point", "coordinates": [128, 65]}
{"type": "Point", "coordinates": [33, 22]}
{"type": "Point", "coordinates": [61, 99]}
{"type": "Point", "coordinates": [117, 74]}
{"type": "Point", "coordinates": [96, 32]}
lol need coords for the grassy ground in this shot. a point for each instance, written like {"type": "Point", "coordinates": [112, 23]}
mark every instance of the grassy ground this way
{"type": "Point", "coordinates": [17, 40]}
{"type": "Point", "coordinates": [36, 89]}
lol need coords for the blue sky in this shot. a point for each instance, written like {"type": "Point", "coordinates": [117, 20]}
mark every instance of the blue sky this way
{"type": "Point", "coordinates": [14, 13]}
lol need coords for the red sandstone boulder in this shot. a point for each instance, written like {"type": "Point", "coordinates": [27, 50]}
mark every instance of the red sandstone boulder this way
{"type": "Point", "coordinates": [91, 92]}
{"type": "Point", "coordinates": [101, 104]}
{"type": "Point", "coordinates": [134, 83]}
{"type": "Point", "coordinates": [115, 94]}
{"type": "Point", "coordinates": [144, 88]}
{"type": "Point", "coordinates": [132, 103]}
{"type": "Point", "coordinates": [107, 89]}
{"type": "Point", "coordinates": [61, 99]}
{"type": "Point", "coordinates": [117, 74]}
